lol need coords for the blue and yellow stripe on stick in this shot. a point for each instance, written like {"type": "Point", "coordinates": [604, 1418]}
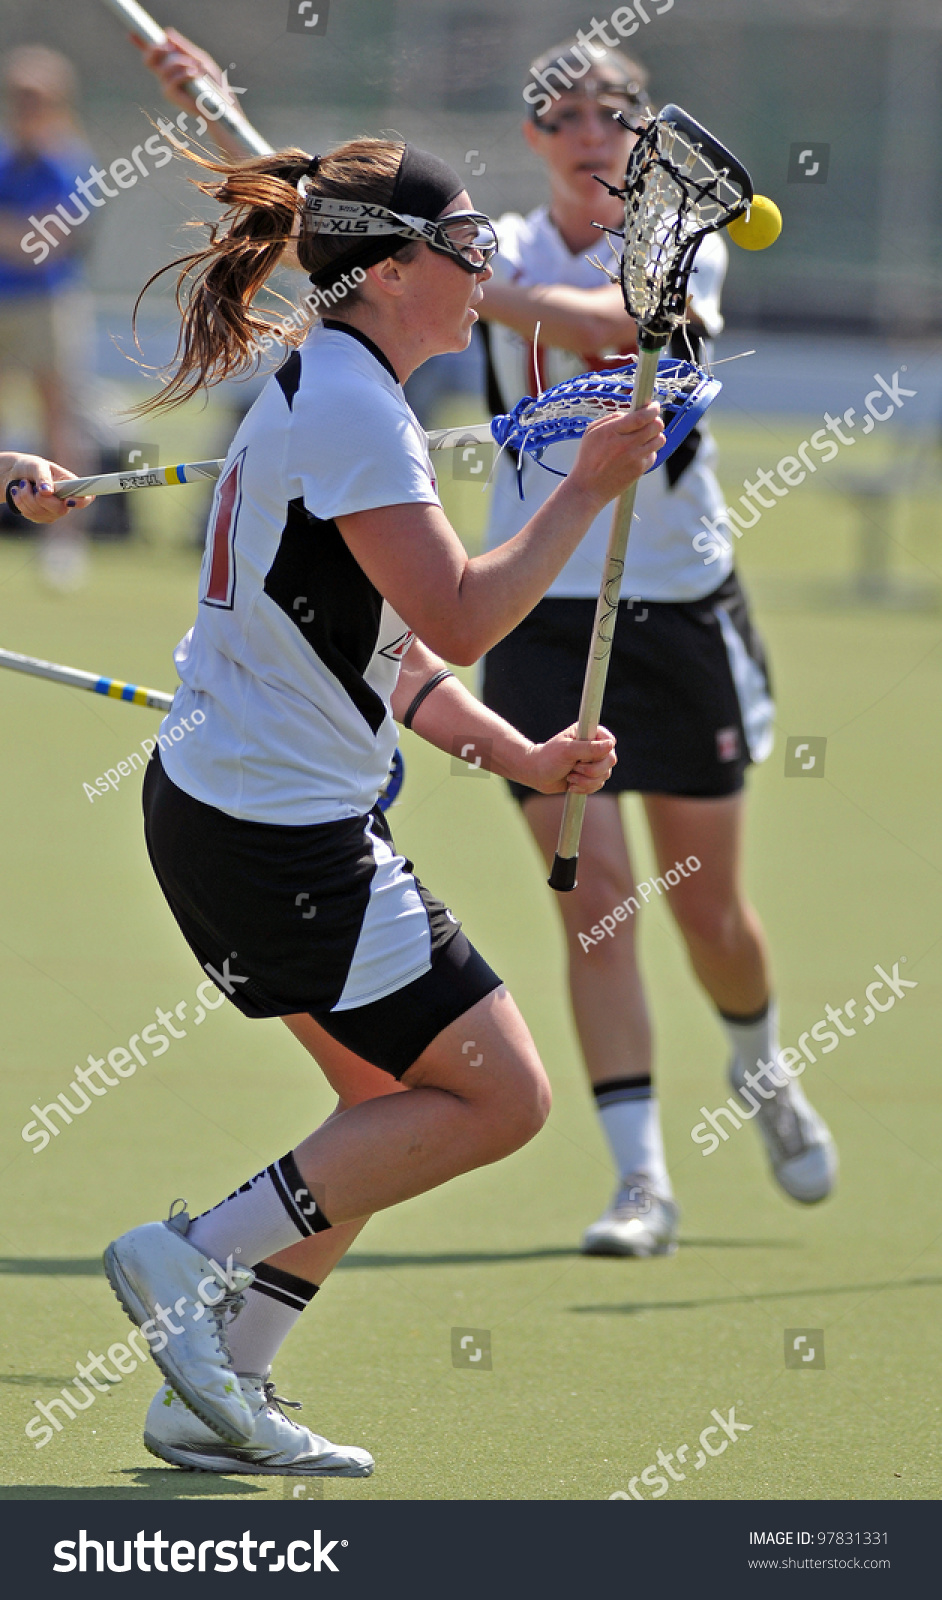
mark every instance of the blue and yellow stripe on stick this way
{"type": "Point", "coordinates": [116, 690]}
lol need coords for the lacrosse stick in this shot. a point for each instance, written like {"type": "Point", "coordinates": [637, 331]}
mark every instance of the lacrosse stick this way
{"type": "Point", "coordinates": [563, 412]}
{"type": "Point", "coordinates": [195, 471]}
{"type": "Point", "coordinates": [683, 390]}
{"type": "Point", "coordinates": [681, 184]}
{"type": "Point", "coordinates": [215, 108]}
{"type": "Point", "coordinates": [157, 699]}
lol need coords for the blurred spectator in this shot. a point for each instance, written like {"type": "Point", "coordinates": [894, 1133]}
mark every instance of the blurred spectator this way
{"type": "Point", "coordinates": [45, 320]}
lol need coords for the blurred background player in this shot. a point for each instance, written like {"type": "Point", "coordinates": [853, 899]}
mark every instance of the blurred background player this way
{"type": "Point", "coordinates": [44, 317]}
{"type": "Point", "coordinates": [688, 694]}
{"type": "Point", "coordinates": [179, 62]}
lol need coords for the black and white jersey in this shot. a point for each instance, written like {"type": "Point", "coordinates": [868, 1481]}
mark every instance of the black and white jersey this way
{"type": "Point", "coordinates": [662, 562]}
{"type": "Point", "coordinates": [294, 654]}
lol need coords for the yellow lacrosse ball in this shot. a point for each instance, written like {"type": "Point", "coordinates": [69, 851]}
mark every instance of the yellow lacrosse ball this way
{"type": "Point", "coordinates": [759, 227]}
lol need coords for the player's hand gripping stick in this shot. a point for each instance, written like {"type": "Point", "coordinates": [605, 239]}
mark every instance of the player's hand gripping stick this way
{"type": "Point", "coordinates": [141, 23]}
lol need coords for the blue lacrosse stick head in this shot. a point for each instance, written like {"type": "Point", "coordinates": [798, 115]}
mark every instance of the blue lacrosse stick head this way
{"type": "Point", "coordinates": [683, 390]}
{"type": "Point", "coordinates": [397, 772]}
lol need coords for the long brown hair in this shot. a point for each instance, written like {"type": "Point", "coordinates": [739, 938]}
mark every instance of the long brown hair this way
{"type": "Point", "coordinates": [216, 285]}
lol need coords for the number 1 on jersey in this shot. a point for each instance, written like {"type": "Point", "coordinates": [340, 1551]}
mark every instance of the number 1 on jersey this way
{"type": "Point", "coordinates": [220, 543]}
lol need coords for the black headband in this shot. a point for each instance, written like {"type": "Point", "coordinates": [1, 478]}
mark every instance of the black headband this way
{"type": "Point", "coordinates": [424, 186]}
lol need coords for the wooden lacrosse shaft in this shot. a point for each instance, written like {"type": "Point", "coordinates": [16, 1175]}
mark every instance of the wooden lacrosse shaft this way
{"type": "Point", "coordinates": [141, 23]}
{"type": "Point", "coordinates": [192, 471]}
{"type": "Point", "coordinates": [566, 862]}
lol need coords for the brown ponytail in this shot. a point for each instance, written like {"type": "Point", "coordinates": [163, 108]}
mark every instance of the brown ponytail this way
{"type": "Point", "coordinates": [216, 286]}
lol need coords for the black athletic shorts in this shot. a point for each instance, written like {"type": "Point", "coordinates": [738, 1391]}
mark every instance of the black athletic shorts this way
{"type": "Point", "coordinates": [309, 919]}
{"type": "Point", "coordinates": [688, 695]}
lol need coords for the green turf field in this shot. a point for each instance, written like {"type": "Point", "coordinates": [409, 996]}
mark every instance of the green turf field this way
{"type": "Point", "coordinates": [596, 1363]}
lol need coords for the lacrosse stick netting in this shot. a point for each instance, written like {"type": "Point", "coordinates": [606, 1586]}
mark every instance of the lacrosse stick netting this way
{"type": "Point", "coordinates": [680, 185]}
{"type": "Point", "coordinates": [565, 411]}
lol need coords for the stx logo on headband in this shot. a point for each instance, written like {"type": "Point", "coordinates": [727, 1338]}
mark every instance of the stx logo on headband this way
{"type": "Point", "coordinates": [327, 206]}
{"type": "Point", "coordinates": [344, 225]}
{"type": "Point", "coordinates": [358, 217]}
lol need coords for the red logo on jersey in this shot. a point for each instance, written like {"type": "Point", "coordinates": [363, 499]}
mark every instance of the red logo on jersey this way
{"type": "Point", "coordinates": [397, 649]}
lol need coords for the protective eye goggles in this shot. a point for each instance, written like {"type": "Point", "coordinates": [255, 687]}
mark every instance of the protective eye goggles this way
{"type": "Point", "coordinates": [467, 237]}
{"type": "Point", "coordinates": [627, 98]}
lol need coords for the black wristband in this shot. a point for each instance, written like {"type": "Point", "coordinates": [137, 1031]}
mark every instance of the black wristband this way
{"type": "Point", "coordinates": [11, 503]}
{"type": "Point", "coordinates": [425, 690]}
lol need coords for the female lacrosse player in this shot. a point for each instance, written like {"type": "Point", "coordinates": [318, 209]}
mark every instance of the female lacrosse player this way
{"type": "Point", "coordinates": [332, 586]}
{"type": "Point", "coordinates": [687, 694]}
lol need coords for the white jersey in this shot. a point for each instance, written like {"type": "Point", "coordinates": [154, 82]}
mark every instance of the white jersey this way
{"type": "Point", "coordinates": [294, 654]}
{"type": "Point", "coordinates": [662, 563]}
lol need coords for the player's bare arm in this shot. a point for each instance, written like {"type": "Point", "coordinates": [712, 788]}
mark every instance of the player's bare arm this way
{"type": "Point", "coordinates": [570, 319]}
{"type": "Point", "coordinates": [180, 62]}
{"type": "Point", "coordinates": [564, 762]}
{"type": "Point", "coordinates": [459, 605]}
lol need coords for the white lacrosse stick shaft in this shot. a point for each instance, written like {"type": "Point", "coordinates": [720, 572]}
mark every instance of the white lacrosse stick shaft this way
{"type": "Point", "coordinates": [142, 23]}
{"type": "Point", "coordinates": [114, 688]}
{"type": "Point", "coordinates": [144, 478]}
{"type": "Point", "coordinates": [563, 874]}
{"type": "Point", "coordinates": [193, 471]}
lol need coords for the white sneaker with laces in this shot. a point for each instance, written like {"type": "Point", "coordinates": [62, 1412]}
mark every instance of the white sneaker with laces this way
{"type": "Point", "coordinates": [278, 1446]}
{"type": "Point", "coordinates": [637, 1223]}
{"type": "Point", "coordinates": [800, 1149]}
{"type": "Point", "coordinates": [157, 1276]}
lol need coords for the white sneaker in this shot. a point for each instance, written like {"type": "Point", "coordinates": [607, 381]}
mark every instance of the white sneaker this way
{"type": "Point", "coordinates": [801, 1151]}
{"type": "Point", "coordinates": [278, 1446]}
{"type": "Point", "coordinates": [157, 1275]}
{"type": "Point", "coordinates": [637, 1223]}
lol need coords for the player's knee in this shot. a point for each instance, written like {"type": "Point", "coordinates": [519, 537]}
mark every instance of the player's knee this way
{"type": "Point", "coordinates": [708, 921]}
{"type": "Point", "coordinates": [524, 1107]}
{"type": "Point", "coordinates": [600, 927]}
{"type": "Point", "coordinates": [603, 901]}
